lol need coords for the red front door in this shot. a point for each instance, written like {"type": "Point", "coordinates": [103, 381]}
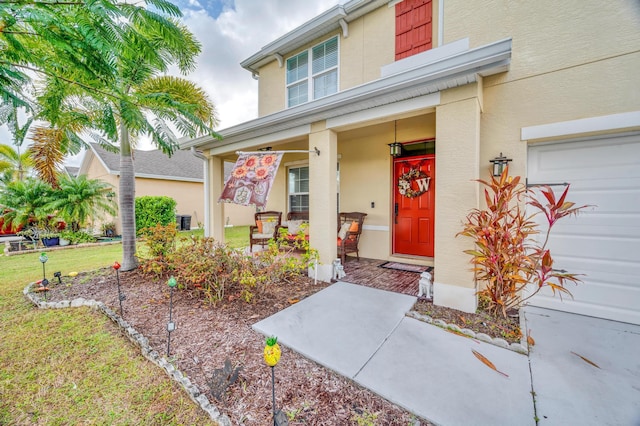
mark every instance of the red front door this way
{"type": "Point", "coordinates": [414, 205]}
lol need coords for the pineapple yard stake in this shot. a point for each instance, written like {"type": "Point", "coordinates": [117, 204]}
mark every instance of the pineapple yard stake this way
{"type": "Point", "coordinates": [271, 357]}
{"type": "Point", "coordinates": [121, 296]}
{"type": "Point", "coordinates": [171, 325]}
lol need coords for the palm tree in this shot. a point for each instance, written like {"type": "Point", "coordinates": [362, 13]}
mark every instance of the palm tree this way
{"type": "Point", "coordinates": [14, 165]}
{"type": "Point", "coordinates": [141, 102]}
{"type": "Point", "coordinates": [77, 199]}
{"type": "Point", "coordinates": [102, 63]}
{"type": "Point", "coordinates": [25, 203]}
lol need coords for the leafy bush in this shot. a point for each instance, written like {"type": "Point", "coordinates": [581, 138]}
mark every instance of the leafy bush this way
{"type": "Point", "coordinates": [161, 241]}
{"type": "Point", "coordinates": [215, 271]}
{"type": "Point", "coordinates": [77, 237]}
{"type": "Point", "coordinates": [505, 258]}
{"type": "Point", "coordinates": [154, 210]}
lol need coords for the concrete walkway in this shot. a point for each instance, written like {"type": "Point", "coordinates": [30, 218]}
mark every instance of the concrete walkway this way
{"type": "Point", "coordinates": [363, 334]}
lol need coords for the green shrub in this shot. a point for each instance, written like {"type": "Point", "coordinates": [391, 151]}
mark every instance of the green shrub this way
{"type": "Point", "coordinates": [154, 210]}
{"type": "Point", "coordinates": [161, 241]}
{"type": "Point", "coordinates": [77, 237]}
{"type": "Point", "coordinates": [215, 271]}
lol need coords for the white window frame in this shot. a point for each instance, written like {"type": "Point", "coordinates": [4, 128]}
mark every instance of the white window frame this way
{"type": "Point", "coordinates": [295, 165]}
{"type": "Point", "coordinates": [310, 78]}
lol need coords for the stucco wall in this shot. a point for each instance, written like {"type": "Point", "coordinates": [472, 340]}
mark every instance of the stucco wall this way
{"type": "Point", "coordinates": [570, 60]}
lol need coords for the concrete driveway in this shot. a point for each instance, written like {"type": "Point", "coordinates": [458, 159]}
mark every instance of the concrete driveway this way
{"type": "Point", "coordinates": [435, 374]}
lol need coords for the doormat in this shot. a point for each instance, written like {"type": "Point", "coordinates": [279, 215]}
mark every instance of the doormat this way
{"type": "Point", "coordinates": [418, 269]}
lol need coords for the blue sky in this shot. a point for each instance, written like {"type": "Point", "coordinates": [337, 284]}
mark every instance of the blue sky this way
{"type": "Point", "coordinates": [212, 7]}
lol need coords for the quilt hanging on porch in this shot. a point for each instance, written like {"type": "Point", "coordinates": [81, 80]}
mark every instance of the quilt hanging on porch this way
{"type": "Point", "coordinates": [251, 179]}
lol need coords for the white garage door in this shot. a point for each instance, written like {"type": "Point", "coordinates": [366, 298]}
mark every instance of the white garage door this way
{"type": "Point", "coordinates": [603, 242]}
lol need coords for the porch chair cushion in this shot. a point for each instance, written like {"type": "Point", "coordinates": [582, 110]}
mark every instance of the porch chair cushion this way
{"type": "Point", "coordinates": [294, 226]}
{"type": "Point", "coordinates": [344, 230]}
{"type": "Point", "coordinates": [265, 229]}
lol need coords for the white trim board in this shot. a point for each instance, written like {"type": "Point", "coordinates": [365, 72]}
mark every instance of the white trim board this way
{"type": "Point", "coordinates": [603, 123]}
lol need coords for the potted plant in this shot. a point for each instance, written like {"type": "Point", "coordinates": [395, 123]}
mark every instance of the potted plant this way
{"type": "Point", "coordinates": [109, 229]}
{"type": "Point", "coordinates": [66, 237]}
{"type": "Point", "coordinates": [49, 238]}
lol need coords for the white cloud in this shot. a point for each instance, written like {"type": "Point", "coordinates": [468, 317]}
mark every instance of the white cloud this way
{"type": "Point", "coordinates": [240, 30]}
{"type": "Point", "coordinates": [234, 36]}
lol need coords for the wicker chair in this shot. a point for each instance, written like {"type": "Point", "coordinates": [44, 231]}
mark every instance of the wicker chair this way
{"type": "Point", "coordinates": [265, 229]}
{"type": "Point", "coordinates": [350, 227]}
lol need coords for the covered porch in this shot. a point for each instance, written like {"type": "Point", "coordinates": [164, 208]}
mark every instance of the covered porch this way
{"type": "Point", "coordinates": [348, 166]}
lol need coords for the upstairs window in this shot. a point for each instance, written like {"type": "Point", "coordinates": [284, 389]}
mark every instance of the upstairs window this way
{"type": "Point", "coordinates": [414, 27]}
{"type": "Point", "coordinates": [321, 80]}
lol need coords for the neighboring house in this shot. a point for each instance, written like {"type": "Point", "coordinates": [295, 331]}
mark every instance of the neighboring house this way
{"type": "Point", "coordinates": [71, 171]}
{"type": "Point", "coordinates": [179, 177]}
{"type": "Point", "coordinates": [551, 85]}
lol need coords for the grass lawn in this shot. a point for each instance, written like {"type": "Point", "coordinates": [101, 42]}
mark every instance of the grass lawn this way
{"type": "Point", "coordinates": [234, 236]}
{"type": "Point", "coordinates": [72, 366]}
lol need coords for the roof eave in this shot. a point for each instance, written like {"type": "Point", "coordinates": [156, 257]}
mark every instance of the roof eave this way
{"type": "Point", "coordinates": [449, 72]}
{"type": "Point", "coordinates": [313, 29]}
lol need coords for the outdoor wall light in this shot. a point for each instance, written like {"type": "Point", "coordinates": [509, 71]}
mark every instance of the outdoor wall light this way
{"type": "Point", "coordinates": [499, 163]}
{"type": "Point", "coordinates": [395, 149]}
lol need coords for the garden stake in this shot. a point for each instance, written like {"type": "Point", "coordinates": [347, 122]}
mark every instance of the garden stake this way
{"type": "Point", "coordinates": [271, 357]}
{"type": "Point", "coordinates": [58, 275]}
{"type": "Point", "coordinates": [170, 326]}
{"type": "Point", "coordinates": [121, 296]}
{"type": "Point", "coordinates": [43, 260]}
{"type": "Point", "coordinates": [43, 287]}
{"type": "Point", "coordinates": [273, 392]}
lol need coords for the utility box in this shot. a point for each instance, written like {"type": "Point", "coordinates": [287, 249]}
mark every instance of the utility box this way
{"type": "Point", "coordinates": [186, 223]}
{"type": "Point", "coordinates": [179, 222]}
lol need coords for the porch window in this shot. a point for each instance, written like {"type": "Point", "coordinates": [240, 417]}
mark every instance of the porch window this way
{"type": "Point", "coordinates": [299, 189]}
{"type": "Point", "coordinates": [322, 80]}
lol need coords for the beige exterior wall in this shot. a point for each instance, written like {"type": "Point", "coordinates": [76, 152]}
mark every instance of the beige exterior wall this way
{"type": "Point", "coordinates": [570, 60]}
{"type": "Point", "coordinates": [369, 45]}
{"type": "Point", "coordinates": [563, 67]}
{"type": "Point", "coordinates": [189, 196]}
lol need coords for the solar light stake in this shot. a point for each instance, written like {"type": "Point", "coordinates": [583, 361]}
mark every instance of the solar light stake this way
{"type": "Point", "coordinates": [43, 260]}
{"type": "Point", "coordinates": [44, 287]}
{"type": "Point", "coordinates": [58, 275]}
{"type": "Point", "coordinates": [121, 296]}
{"type": "Point", "coordinates": [273, 392]}
{"type": "Point", "coordinates": [171, 325]}
{"type": "Point", "coordinates": [272, 354]}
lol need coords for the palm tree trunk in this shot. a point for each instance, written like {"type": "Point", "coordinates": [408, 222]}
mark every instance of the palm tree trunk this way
{"type": "Point", "coordinates": [127, 205]}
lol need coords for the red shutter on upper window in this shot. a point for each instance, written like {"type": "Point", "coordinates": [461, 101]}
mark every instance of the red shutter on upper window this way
{"type": "Point", "coordinates": [413, 27]}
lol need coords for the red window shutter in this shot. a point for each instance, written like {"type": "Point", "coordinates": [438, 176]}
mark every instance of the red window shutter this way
{"type": "Point", "coordinates": [413, 27]}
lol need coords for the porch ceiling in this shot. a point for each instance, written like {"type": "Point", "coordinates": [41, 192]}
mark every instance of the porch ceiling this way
{"type": "Point", "coordinates": [453, 71]}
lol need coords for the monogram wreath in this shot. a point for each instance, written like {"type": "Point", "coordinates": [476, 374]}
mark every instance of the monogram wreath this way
{"type": "Point", "coordinates": [404, 183]}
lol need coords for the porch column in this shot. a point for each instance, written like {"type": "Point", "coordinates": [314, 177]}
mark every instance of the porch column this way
{"type": "Point", "coordinates": [323, 204]}
{"type": "Point", "coordinates": [216, 215]}
{"type": "Point", "coordinates": [457, 153]}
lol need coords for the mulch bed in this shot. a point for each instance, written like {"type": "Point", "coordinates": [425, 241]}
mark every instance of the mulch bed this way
{"type": "Point", "coordinates": [206, 336]}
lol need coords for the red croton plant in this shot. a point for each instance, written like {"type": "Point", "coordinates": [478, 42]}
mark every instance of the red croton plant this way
{"type": "Point", "coordinates": [506, 259]}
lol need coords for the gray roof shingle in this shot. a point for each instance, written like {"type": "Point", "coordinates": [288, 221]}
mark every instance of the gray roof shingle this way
{"type": "Point", "coordinates": [182, 165]}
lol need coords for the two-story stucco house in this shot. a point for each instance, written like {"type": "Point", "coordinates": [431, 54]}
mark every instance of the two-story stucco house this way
{"type": "Point", "coordinates": [551, 85]}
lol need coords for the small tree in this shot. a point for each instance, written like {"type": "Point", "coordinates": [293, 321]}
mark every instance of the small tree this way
{"type": "Point", "coordinates": [77, 199]}
{"type": "Point", "coordinates": [25, 203]}
{"type": "Point", "coordinates": [505, 258]}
